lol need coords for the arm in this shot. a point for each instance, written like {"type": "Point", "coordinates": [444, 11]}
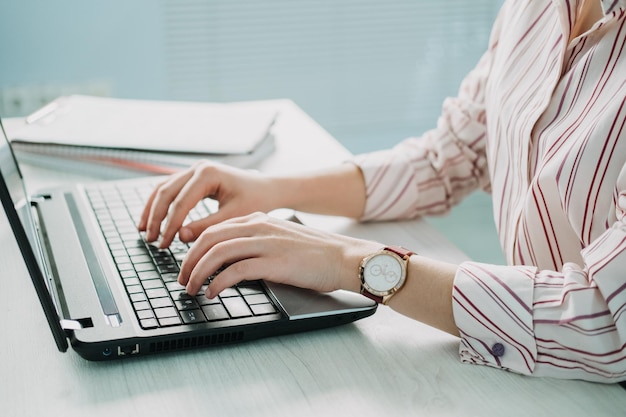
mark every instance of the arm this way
{"type": "Point", "coordinates": [338, 191]}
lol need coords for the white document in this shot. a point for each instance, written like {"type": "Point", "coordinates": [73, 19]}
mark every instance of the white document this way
{"type": "Point", "coordinates": [149, 125]}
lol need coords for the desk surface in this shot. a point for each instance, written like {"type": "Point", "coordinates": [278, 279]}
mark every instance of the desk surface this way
{"type": "Point", "coordinates": [385, 365]}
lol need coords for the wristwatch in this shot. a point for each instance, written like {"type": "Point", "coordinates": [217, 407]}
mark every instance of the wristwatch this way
{"type": "Point", "coordinates": [383, 273]}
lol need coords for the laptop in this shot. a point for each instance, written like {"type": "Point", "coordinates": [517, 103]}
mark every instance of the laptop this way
{"type": "Point", "coordinates": [108, 294]}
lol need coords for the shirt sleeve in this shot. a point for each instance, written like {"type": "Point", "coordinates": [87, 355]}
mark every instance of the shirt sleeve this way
{"type": "Point", "coordinates": [564, 324]}
{"type": "Point", "coordinates": [429, 174]}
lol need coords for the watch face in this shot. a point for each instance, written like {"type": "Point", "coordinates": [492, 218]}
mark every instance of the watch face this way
{"type": "Point", "coordinates": [383, 272]}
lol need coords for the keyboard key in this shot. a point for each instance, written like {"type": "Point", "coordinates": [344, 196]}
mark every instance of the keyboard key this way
{"type": "Point", "coordinates": [125, 266]}
{"type": "Point", "coordinates": [262, 309]}
{"type": "Point", "coordinates": [249, 288]}
{"type": "Point", "coordinates": [139, 296]}
{"type": "Point", "coordinates": [173, 277]}
{"type": "Point", "coordinates": [132, 289]}
{"type": "Point", "coordinates": [170, 321]}
{"type": "Point", "coordinates": [161, 302]}
{"type": "Point", "coordinates": [229, 292]}
{"type": "Point", "coordinates": [149, 323]}
{"type": "Point", "coordinates": [192, 316]}
{"type": "Point", "coordinates": [145, 314]}
{"type": "Point", "coordinates": [141, 305]}
{"type": "Point", "coordinates": [128, 274]}
{"type": "Point", "coordinates": [257, 299]}
{"type": "Point", "coordinates": [165, 312]}
{"type": "Point", "coordinates": [168, 268]}
{"type": "Point", "coordinates": [146, 266]}
{"type": "Point", "coordinates": [162, 258]}
{"type": "Point", "coordinates": [148, 275]}
{"type": "Point", "coordinates": [215, 312]}
{"type": "Point", "coordinates": [236, 307]}
{"type": "Point", "coordinates": [137, 251]}
{"type": "Point", "coordinates": [122, 260]}
{"type": "Point", "coordinates": [186, 304]}
{"type": "Point", "coordinates": [135, 243]}
{"type": "Point", "coordinates": [137, 259]}
{"type": "Point", "coordinates": [157, 293]}
{"type": "Point", "coordinates": [118, 252]}
{"type": "Point", "coordinates": [131, 281]}
{"type": "Point", "coordinates": [204, 300]}
{"type": "Point", "coordinates": [174, 286]}
{"type": "Point", "coordinates": [150, 284]}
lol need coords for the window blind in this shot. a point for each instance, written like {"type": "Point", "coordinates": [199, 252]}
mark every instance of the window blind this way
{"type": "Point", "coordinates": [357, 66]}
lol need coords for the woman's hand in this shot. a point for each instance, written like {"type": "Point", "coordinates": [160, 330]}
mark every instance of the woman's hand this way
{"type": "Point", "coordinates": [238, 192]}
{"type": "Point", "coordinates": [259, 246]}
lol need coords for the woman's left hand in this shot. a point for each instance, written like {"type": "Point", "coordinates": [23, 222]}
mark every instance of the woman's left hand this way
{"type": "Point", "coordinates": [259, 246]}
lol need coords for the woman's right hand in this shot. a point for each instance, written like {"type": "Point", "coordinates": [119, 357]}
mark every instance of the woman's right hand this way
{"type": "Point", "coordinates": [239, 192]}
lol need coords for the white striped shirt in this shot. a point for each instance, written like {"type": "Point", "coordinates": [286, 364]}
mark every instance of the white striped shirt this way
{"type": "Point", "coordinates": [541, 124]}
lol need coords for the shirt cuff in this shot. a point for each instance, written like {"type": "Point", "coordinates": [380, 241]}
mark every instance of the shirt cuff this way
{"type": "Point", "coordinates": [492, 308]}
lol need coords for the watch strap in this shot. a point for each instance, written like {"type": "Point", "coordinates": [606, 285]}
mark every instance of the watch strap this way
{"type": "Point", "coordinates": [399, 250]}
{"type": "Point", "coordinates": [376, 298]}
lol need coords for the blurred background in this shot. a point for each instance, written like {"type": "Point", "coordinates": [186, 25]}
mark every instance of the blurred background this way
{"type": "Point", "coordinates": [372, 72]}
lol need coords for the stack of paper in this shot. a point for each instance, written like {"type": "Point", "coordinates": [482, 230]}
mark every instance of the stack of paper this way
{"type": "Point", "coordinates": [144, 135]}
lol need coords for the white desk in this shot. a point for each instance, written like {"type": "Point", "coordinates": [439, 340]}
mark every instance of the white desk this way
{"type": "Point", "coordinates": [385, 365]}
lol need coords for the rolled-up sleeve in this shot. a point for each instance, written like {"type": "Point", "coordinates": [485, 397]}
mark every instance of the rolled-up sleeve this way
{"type": "Point", "coordinates": [429, 174]}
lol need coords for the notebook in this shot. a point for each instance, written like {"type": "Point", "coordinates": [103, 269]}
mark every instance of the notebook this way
{"type": "Point", "coordinates": [135, 137]}
{"type": "Point", "coordinates": [108, 294]}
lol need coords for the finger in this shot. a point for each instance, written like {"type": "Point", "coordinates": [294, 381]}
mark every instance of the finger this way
{"type": "Point", "coordinates": [228, 253]}
{"type": "Point", "coordinates": [160, 200]}
{"type": "Point", "coordinates": [243, 270]}
{"type": "Point", "coordinates": [192, 230]}
{"type": "Point", "coordinates": [197, 252]}
{"type": "Point", "coordinates": [188, 197]}
{"type": "Point", "coordinates": [223, 234]}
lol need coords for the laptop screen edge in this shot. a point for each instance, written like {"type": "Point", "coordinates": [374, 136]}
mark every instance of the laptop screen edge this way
{"type": "Point", "coordinates": [27, 251]}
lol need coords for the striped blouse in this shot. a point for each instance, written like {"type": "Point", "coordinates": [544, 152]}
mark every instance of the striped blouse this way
{"type": "Point", "coordinates": [541, 124]}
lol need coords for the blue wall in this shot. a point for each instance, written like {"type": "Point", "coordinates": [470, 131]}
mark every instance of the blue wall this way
{"type": "Point", "coordinates": [77, 42]}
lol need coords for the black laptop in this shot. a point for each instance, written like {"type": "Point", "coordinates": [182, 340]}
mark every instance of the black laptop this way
{"type": "Point", "coordinates": [112, 295]}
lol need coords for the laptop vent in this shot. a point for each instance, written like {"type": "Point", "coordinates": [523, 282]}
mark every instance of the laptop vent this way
{"type": "Point", "coordinates": [191, 342]}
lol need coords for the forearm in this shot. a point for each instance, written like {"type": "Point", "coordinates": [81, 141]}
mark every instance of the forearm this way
{"type": "Point", "coordinates": [336, 191]}
{"type": "Point", "coordinates": [427, 293]}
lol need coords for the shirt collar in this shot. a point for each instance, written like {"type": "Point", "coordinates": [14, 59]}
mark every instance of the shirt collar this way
{"type": "Point", "coordinates": [610, 6]}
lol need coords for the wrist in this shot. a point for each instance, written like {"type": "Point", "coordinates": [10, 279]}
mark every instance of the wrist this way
{"type": "Point", "coordinates": [287, 192]}
{"type": "Point", "coordinates": [336, 191]}
{"type": "Point", "coordinates": [352, 258]}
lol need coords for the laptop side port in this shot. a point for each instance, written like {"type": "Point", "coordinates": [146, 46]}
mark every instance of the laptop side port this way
{"type": "Point", "coordinates": [128, 350]}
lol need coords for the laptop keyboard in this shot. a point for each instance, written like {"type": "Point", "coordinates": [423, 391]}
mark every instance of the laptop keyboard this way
{"type": "Point", "coordinates": [150, 274]}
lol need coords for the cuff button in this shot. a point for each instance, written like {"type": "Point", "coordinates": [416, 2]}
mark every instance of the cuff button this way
{"type": "Point", "coordinates": [497, 350]}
